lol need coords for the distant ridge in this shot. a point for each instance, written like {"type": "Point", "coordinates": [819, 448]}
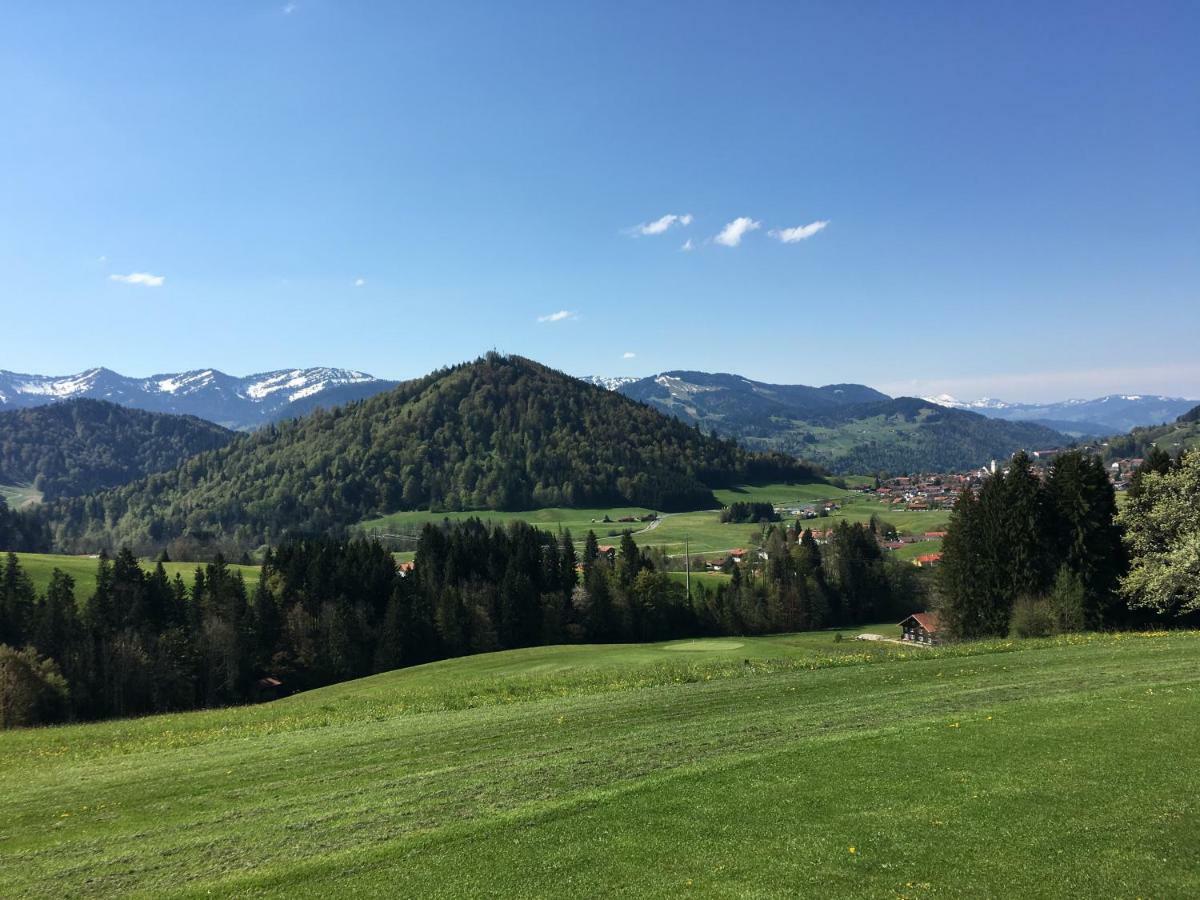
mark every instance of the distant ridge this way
{"type": "Point", "coordinates": [239, 403]}
{"type": "Point", "coordinates": [1100, 416]}
{"type": "Point", "coordinates": [75, 446]}
{"type": "Point", "coordinates": [849, 428]}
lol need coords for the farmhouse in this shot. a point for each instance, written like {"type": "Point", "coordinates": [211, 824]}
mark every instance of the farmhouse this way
{"type": "Point", "coordinates": [927, 560]}
{"type": "Point", "coordinates": [608, 551]}
{"type": "Point", "coordinates": [920, 628]}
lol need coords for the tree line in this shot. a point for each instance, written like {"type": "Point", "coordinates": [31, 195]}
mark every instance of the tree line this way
{"type": "Point", "coordinates": [1037, 555]}
{"type": "Point", "coordinates": [327, 610]}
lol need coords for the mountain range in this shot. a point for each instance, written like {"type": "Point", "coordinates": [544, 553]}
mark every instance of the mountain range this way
{"type": "Point", "coordinates": [239, 403]}
{"type": "Point", "coordinates": [1102, 416]}
{"type": "Point", "coordinates": [848, 428]}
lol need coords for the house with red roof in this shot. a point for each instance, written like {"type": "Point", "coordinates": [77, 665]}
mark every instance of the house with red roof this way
{"type": "Point", "coordinates": [920, 628]}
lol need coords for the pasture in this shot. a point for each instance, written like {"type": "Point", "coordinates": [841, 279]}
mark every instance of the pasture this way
{"type": "Point", "coordinates": [20, 495]}
{"type": "Point", "coordinates": [789, 765]}
{"type": "Point", "coordinates": [702, 529]}
{"type": "Point", "coordinates": [39, 566]}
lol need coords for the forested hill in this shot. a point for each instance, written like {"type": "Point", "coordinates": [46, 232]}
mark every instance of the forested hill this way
{"type": "Point", "coordinates": [498, 433]}
{"type": "Point", "coordinates": [849, 428]}
{"type": "Point", "coordinates": [78, 446]}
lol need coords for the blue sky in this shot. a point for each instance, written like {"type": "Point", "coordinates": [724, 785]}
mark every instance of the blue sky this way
{"type": "Point", "coordinates": [1009, 191]}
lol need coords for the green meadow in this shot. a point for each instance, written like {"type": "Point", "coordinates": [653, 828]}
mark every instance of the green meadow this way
{"type": "Point", "coordinates": [792, 765]}
{"type": "Point", "coordinates": [39, 566]}
{"type": "Point", "coordinates": [19, 495]}
{"type": "Point", "coordinates": [702, 530]}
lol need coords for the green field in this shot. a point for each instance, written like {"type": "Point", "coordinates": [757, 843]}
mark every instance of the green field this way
{"type": "Point", "coordinates": [83, 569]}
{"type": "Point", "coordinates": [783, 766]}
{"type": "Point", "coordinates": [19, 495]}
{"type": "Point", "coordinates": [703, 529]}
{"type": "Point", "coordinates": [579, 521]}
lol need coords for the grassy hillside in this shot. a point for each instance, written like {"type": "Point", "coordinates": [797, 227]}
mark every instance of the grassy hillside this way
{"type": "Point", "coordinates": [779, 766]}
{"type": "Point", "coordinates": [76, 446]}
{"type": "Point", "coordinates": [1178, 436]}
{"type": "Point", "coordinates": [501, 433]}
{"type": "Point", "coordinates": [38, 567]}
{"type": "Point", "coordinates": [18, 496]}
{"type": "Point", "coordinates": [703, 529]}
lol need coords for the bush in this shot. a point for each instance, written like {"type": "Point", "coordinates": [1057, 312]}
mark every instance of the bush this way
{"type": "Point", "coordinates": [32, 690]}
{"type": "Point", "coordinates": [1033, 617]}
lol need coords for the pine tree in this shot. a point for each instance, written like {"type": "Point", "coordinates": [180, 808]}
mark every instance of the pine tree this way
{"type": "Point", "coordinates": [17, 598]}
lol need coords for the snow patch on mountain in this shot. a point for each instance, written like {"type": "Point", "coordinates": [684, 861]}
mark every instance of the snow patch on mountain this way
{"type": "Point", "coordinates": [609, 382]}
{"type": "Point", "coordinates": [953, 403]}
{"type": "Point", "coordinates": [207, 393]}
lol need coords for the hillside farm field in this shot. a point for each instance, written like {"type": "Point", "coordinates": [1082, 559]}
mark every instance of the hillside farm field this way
{"type": "Point", "coordinates": [20, 495]}
{"type": "Point", "coordinates": [702, 529]}
{"type": "Point", "coordinates": [788, 765]}
{"type": "Point", "coordinates": [39, 566]}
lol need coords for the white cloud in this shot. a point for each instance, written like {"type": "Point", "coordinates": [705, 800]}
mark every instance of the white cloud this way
{"type": "Point", "coordinates": [799, 233]}
{"type": "Point", "coordinates": [660, 225]}
{"type": "Point", "coordinates": [289, 8]}
{"type": "Point", "coordinates": [559, 316]}
{"type": "Point", "coordinates": [688, 246]}
{"type": "Point", "coordinates": [731, 235]}
{"type": "Point", "coordinates": [102, 259]}
{"type": "Point", "coordinates": [143, 278]}
{"type": "Point", "coordinates": [628, 354]}
{"type": "Point", "coordinates": [359, 282]}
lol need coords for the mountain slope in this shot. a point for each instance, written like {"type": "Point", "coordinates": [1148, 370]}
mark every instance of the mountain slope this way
{"type": "Point", "coordinates": [77, 446]}
{"type": "Point", "coordinates": [846, 427]}
{"type": "Point", "coordinates": [1103, 415]}
{"type": "Point", "coordinates": [1175, 437]}
{"type": "Point", "coordinates": [498, 433]}
{"type": "Point", "coordinates": [240, 403]}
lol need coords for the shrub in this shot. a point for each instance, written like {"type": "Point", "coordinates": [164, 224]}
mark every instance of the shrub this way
{"type": "Point", "coordinates": [1033, 617]}
{"type": "Point", "coordinates": [32, 690]}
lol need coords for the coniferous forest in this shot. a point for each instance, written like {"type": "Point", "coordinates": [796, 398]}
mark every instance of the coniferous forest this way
{"type": "Point", "coordinates": [78, 446]}
{"type": "Point", "coordinates": [327, 610]}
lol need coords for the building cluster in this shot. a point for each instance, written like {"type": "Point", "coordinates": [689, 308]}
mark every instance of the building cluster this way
{"type": "Point", "coordinates": [923, 492]}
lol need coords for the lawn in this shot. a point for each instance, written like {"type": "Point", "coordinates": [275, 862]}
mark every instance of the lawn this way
{"type": "Point", "coordinates": [83, 569]}
{"type": "Point", "coordinates": [790, 765]}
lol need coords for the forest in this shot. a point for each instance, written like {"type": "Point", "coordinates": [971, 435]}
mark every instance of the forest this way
{"type": "Point", "coordinates": [327, 610]}
{"type": "Point", "coordinates": [79, 446]}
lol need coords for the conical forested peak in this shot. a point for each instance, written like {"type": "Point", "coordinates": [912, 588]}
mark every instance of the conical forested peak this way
{"type": "Point", "coordinates": [501, 432]}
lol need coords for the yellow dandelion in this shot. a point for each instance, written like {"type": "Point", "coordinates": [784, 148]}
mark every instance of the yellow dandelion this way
{"type": "Point", "coordinates": [853, 850]}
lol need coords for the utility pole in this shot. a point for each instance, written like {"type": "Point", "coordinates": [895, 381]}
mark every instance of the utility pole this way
{"type": "Point", "coordinates": [687, 567]}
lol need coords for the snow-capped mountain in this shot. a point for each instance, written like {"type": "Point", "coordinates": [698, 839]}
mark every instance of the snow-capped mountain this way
{"type": "Point", "coordinates": [609, 382]}
{"type": "Point", "coordinates": [1103, 415]}
{"type": "Point", "coordinates": [234, 402]}
{"type": "Point", "coordinates": [981, 404]}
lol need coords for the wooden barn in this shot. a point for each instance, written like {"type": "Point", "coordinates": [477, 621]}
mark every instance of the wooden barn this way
{"type": "Point", "coordinates": [920, 628]}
